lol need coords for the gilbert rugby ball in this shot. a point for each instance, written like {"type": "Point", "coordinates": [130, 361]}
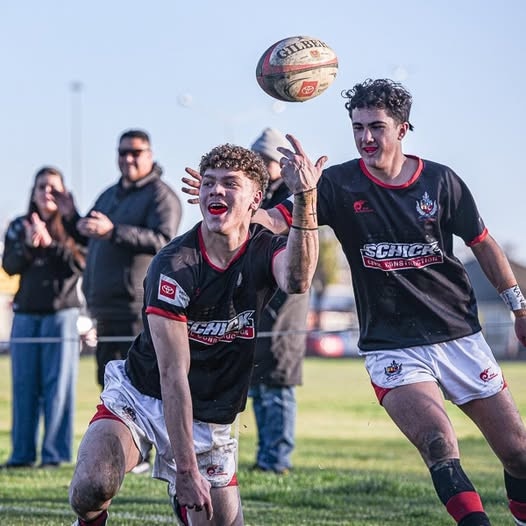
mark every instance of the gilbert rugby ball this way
{"type": "Point", "coordinates": [297, 69]}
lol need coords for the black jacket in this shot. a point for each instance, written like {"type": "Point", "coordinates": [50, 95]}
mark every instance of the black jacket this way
{"type": "Point", "coordinates": [146, 216]}
{"type": "Point", "coordinates": [279, 358]}
{"type": "Point", "coordinates": [48, 276]}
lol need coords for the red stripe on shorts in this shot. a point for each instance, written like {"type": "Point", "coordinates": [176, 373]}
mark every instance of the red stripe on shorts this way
{"type": "Point", "coordinates": [103, 413]}
{"type": "Point", "coordinates": [380, 391]}
{"type": "Point", "coordinates": [233, 481]}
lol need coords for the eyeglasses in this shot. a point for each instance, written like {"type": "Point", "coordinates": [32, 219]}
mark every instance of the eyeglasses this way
{"type": "Point", "coordinates": [134, 153]}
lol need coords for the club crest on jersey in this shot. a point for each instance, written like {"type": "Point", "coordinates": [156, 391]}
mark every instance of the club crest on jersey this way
{"type": "Point", "coordinates": [213, 331]}
{"type": "Point", "coordinates": [426, 207]}
{"type": "Point", "coordinates": [393, 369]}
{"type": "Point", "coordinates": [171, 292]}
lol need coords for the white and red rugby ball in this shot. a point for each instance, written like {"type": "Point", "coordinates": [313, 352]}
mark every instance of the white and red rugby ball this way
{"type": "Point", "coordinates": [297, 69]}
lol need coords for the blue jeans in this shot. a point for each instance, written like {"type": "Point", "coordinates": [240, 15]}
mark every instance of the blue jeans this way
{"type": "Point", "coordinates": [275, 412]}
{"type": "Point", "coordinates": [44, 384]}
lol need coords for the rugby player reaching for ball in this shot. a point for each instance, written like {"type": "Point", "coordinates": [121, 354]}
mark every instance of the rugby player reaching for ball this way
{"type": "Point", "coordinates": [186, 375]}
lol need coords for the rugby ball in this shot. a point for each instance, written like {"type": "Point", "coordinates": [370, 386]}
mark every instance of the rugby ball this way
{"type": "Point", "coordinates": [297, 69]}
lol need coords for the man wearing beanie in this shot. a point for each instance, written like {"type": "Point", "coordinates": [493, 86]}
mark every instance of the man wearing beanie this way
{"type": "Point", "coordinates": [279, 356]}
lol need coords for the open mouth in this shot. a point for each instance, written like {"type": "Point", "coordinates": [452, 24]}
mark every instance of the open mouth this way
{"type": "Point", "coordinates": [217, 209]}
{"type": "Point", "coordinates": [369, 149]}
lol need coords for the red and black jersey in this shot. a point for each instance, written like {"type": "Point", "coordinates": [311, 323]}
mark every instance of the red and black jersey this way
{"type": "Point", "coordinates": [221, 308]}
{"type": "Point", "coordinates": [410, 289]}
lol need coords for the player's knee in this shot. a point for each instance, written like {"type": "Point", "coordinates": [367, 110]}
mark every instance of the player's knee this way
{"type": "Point", "coordinates": [438, 447]}
{"type": "Point", "coordinates": [89, 492]}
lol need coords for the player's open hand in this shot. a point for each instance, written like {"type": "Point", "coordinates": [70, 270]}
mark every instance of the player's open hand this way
{"type": "Point", "coordinates": [192, 185]}
{"type": "Point", "coordinates": [297, 170]}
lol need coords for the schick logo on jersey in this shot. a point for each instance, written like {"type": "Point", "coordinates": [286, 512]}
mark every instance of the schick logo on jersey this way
{"type": "Point", "coordinates": [210, 332]}
{"type": "Point", "coordinates": [426, 207]}
{"type": "Point", "coordinates": [171, 292]}
{"type": "Point", "coordinates": [400, 256]}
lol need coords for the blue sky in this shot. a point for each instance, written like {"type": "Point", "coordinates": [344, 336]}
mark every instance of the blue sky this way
{"type": "Point", "coordinates": [185, 72]}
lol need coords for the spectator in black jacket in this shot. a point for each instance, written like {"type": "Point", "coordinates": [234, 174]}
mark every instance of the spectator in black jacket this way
{"type": "Point", "coordinates": [281, 348]}
{"type": "Point", "coordinates": [129, 222]}
{"type": "Point", "coordinates": [46, 308]}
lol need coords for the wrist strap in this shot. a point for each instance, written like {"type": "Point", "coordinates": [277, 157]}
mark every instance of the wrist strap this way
{"type": "Point", "coordinates": [303, 227]}
{"type": "Point", "coordinates": [513, 298]}
{"type": "Point", "coordinates": [306, 191]}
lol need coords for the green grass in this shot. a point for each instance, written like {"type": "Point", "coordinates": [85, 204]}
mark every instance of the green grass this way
{"type": "Point", "coordinates": [352, 465]}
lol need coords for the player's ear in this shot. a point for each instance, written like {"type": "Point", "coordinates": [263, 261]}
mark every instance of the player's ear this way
{"type": "Point", "coordinates": [256, 200]}
{"type": "Point", "coordinates": [403, 127]}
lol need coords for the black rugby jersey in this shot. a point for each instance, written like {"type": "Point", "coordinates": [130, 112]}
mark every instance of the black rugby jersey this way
{"type": "Point", "coordinates": [409, 287]}
{"type": "Point", "coordinates": [221, 308]}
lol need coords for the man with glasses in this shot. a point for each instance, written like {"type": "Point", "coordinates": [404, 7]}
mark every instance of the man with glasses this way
{"type": "Point", "coordinates": [128, 224]}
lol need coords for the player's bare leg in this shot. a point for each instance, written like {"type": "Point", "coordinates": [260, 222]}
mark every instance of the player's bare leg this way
{"type": "Point", "coordinates": [418, 410]}
{"type": "Point", "coordinates": [499, 420]}
{"type": "Point", "coordinates": [106, 453]}
{"type": "Point", "coordinates": [227, 509]}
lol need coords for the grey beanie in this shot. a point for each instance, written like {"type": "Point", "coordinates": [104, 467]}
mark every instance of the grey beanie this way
{"type": "Point", "coordinates": [267, 143]}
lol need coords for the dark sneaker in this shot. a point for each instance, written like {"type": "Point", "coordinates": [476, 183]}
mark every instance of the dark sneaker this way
{"type": "Point", "coordinates": [16, 465]}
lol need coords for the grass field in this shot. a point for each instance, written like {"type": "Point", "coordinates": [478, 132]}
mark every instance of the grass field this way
{"type": "Point", "coordinates": [352, 466]}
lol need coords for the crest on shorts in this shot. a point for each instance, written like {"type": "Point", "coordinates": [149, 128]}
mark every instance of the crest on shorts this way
{"type": "Point", "coordinates": [426, 207]}
{"type": "Point", "coordinates": [129, 412]}
{"type": "Point", "coordinates": [487, 375]}
{"type": "Point", "coordinates": [393, 369]}
{"type": "Point", "coordinates": [215, 470]}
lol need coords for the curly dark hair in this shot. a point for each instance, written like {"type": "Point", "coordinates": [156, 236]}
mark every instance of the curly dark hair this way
{"type": "Point", "coordinates": [383, 94]}
{"type": "Point", "coordinates": [235, 158]}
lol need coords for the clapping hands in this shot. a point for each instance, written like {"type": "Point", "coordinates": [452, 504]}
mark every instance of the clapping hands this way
{"type": "Point", "coordinates": [37, 234]}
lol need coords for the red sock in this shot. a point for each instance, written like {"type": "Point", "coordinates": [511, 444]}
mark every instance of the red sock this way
{"type": "Point", "coordinates": [99, 521]}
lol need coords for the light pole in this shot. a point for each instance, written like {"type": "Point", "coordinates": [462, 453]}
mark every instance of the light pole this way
{"type": "Point", "coordinates": [77, 179]}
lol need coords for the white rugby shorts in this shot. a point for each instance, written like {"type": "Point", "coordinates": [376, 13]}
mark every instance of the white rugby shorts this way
{"type": "Point", "coordinates": [143, 415]}
{"type": "Point", "coordinates": [465, 368]}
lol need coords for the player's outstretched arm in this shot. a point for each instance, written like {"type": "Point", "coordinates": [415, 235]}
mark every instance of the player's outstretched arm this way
{"type": "Point", "coordinates": [295, 266]}
{"type": "Point", "coordinates": [498, 270]}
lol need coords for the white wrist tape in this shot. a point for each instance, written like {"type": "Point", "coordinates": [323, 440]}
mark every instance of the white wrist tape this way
{"type": "Point", "coordinates": [513, 298]}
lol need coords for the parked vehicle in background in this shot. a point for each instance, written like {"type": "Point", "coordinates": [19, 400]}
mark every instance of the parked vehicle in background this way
{"type": "Point", "coordinates": [332, 324]}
